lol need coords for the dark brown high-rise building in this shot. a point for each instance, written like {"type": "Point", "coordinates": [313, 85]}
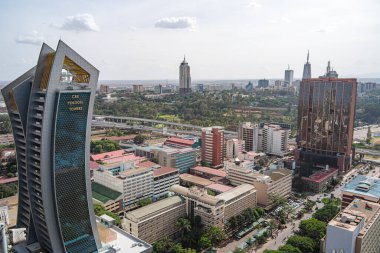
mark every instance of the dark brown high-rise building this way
{"type": "Point", "coordinates": [326, 114]}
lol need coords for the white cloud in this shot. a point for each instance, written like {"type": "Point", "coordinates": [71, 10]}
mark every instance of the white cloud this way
{"type": "Point", "coordinates": [80, 23]}
{"type": "Point", "coordinates": [33, 38]}
{"type": "Point", "coordinates": [176, 23]}
{"type": "Point", "coordinates": [253, 4]}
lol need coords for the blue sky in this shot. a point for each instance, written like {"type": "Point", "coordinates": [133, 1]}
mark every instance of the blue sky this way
{"type": "Point", "coordinates": [222, 39]}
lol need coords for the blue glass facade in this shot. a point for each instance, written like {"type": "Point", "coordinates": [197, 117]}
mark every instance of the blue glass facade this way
{"type": "Point", "coordinates": [69, 171]}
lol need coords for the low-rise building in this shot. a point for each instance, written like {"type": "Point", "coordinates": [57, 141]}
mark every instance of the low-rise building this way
{"type": "Point", "coordinates": [207, 172]}
{"type": "Point", "coordinates": [356, 229]}
{"type": "Point", "coordinates": [192, 180]}
{"type": "Point", "coordinates": [318, 181]}
{"type": "Point", "coordinates": [155, 221]}
{"type": "Point", "coordinates": [361, 187]}
{"type": "Point", "coordinates": [215, 211]}
{"type": "Point", "coordinates": [111, 200]}
{"type": "Point", "coordinates": [177, 142]}
{"type": "Point", "coordinates": [273, 182]}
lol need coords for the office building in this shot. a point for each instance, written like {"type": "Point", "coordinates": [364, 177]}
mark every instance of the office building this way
{"type": "Point", "coordinates": [249, 86]}
{"type": "Point", "coordinates": [361, 187]}
{"type": "Point", "coordinates": [319, 180]}
{"type": "Point", "coordinates": [180, 158]}
{"type": "Point", "coordinates": [275, 182]}
{"type": "Point", "coordinates": [213, 145]}
{"type": "Point", "coordinates": [200, 87]}
{"type": "Point", "coordinates": [184, 77]}
{"type": "Point", "coordinates": [164, 178]}
{"type": "Point", "coordinates": [307, 69]}
{"type": "Point", "coordinates": [326, 115]}
{"type": "Point", "coordinates": [208, 173]}
{"type": "Point", "coordinates": [288, 81]}
{"type": "Point", "coordinates": [270, 138]}
{"type": "Point", "coordinates": [156, 221]}
{"type": "Point", "coordinates": [234, 147]}
{"type": "Point", "coordinates": [246, 133]}
{"type": "Point", "coordinates": [177, 142]}
{"type": "Point", "coordinates": [50, 107]}
{"type": "Point", "coordinates": [263, 83]}
{"type": "Point", "coordinates": [215, 211]}
{"type": "Point", "coordinates": [189, 180]}
{"type": "Point", "coordinates": [138, 88]}
{"type": "Point", "coordinates": [356, 229]}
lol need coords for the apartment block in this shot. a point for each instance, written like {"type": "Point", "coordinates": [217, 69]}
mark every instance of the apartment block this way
{"type": "Point", "coordinates": [276, 182]}
{"type": "Point", "coordinates": [182, 159]}
{"type": "Point", "coordinates": [356, 229]}
{"type": "Point", "coordinates": [213, 145]}
{"type": "Point", "coordinates": [164, 178]}
{"type": "Point", "coordinates": [234, 147]}
{"type": "Point", "coordinates": [153, 222]}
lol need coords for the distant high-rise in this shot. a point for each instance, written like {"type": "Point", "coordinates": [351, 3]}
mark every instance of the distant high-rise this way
{"type": "Point", "coordinates": [213, 145]}
{"type": "Point", "coordinates": [50, 108]}
{"type": "Point", "coordinates": [326, 114]}
{"type": "Point", "coordinates": [249, 86]}
{"type": "Point", "coordinates": [307, 68]}
{"type": "Point", "coordinates": [288, 77]}
{"type": "Point", "coordinates": [263, 83]}
{"type": "Point", "coordinates": [184, 77]}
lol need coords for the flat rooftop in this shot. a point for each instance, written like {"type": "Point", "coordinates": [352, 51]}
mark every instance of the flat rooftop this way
{"type": "Point", "coordinates": [279, 173]}
{"type": "Point", "coordinates": [103, 193]}
{"type": "Point", "coordinates": [353, 214]}
{"type": "Point", "coordinates": [111, 154]}
{"type": "Point", "coordinates": [235, 192]}
{"type": "Point", "coordinates": [153, 208]}
{"type": "Point", "coordinates": [164, 171]}
{"type": "Point", "coordinates": [364, 185]}
{"type": "Point", "coordinates": [120, 241]}
{"type": "Point", "coordinates": [219, 187]}
{"type": "Point", "coordinates": [207, 170]}
{"type": "Point", "coordinates": [321, 175]}
{"type": "Point", "coordinates": [195, 180]}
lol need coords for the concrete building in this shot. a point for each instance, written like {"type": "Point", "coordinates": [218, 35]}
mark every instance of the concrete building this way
{"type": "Point", "coordinates": [208, 173]}
{"type": "Point", "coordinates": [104, 89]}
{"type": "Point", "coordinates": [215, 211]}
{"type": "Point", "coordinates": [184, 77]}
{"type": "Point", "coordinates": [319, 180]}
{"type": "Point", "coordinates": [138, 88]}
{"type": "Point", "coordinates": [288, 80]}
{"type": "Point", "coordinates": [189, 180]}
{"type": "Point", "coordinates": [180, 158]}
{"type": "Point", "coordinates": [307, 69]}
{"type": "Point", "coordinates": [361, 187]}
{"type": "Point", "coordinates": [270, 138]}
{"type": "Point", "coordinates": [234, 147]}
{"type": "Point", "coordinates": [50, 108]}
{"type": "Point", "coordinates": [213, 145]}
{"type": "Point", "coordinates": [326, 115]}
{"type": "Point", "coordinates": [263, 83]}
{"type": "Point", "coordinates": [177, 142]}
{"type": "Point", "coordinates": [249, 86]}
{"type": "Point", "coordinates": [164, 178]}
{"type": "Point", "coordinates": [111, 200]}
{"type": "Point", "coordinates": [153, 222]}
{"type": "Point", "coordinates": [275, 182]}
{"type": "Point", "coordinates": [356, 229]}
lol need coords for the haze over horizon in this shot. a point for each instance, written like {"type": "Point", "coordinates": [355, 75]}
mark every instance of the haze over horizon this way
{"type": "Point", "coordinates": [146, 40]}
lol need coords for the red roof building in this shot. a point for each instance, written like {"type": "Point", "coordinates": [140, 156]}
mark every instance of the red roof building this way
{"type": "Point", "coordinates": [107, 155]}
{"type": "Point", "coordinates": [180, 142]}
{"type": "Point", "coordinates": [207, 172]}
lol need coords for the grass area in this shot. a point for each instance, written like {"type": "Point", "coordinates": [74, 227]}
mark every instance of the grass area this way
{"type": "Point", "coordinates": [170, 118]}
{"type": "Point", "coordinates": [102, 193]}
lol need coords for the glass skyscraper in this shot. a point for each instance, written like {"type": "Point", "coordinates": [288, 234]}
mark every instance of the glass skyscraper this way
{"type": "Point", "coordinates": [50, 108]}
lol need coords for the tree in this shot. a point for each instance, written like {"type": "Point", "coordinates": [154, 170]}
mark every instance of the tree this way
{"type": "Point", "coordinates": [277, 200]}
{"type": "Point", "coordinates": [238, 250]}
{"type": "Point", "coordinates": [183, 225]}
{"type": "Point", "coordinates": [327, 212]}
{"type": "Point", "coordinates": [289, 249]}
{"type": "Point", "coordinates": [177, 248]}
{"type": "Point", "coordinates": [215, 235]}
{"type": "Point", "coordinates": [5, 124]}
{"type": "Point", "coordinates": [139, 139]}
{"type": "Point", "coordinates": [144, 202]}
{"type": "Point", "coordinates": [313, 228]}
{"type": "Point", "coordinates": [100, 210]}
{"type": "Point", "coordinates": [164, 245]}
{"type": "Point", "coordinates": [261, 239]}
{"type": "Point", "coordinates": [205, 242]}
{"type": "Point", "coordinates": [303, 243]}
{"type": "Point", "coordinates": [7, 191]}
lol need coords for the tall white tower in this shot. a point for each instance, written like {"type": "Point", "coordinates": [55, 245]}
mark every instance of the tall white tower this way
{"type": "Point", "coordinates": [184, 77]}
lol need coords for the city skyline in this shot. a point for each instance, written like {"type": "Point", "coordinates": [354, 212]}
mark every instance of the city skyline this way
{"type": "Point", "coordinates": [261, 37]}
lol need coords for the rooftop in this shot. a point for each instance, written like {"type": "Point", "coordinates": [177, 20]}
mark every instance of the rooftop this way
{"type": "Point", "coordinates": [219, 187]}
{"type": "Point", "coordinates": [94, 165]}
{"type": "Point", "coordinates": [111, 154]}
{"type": "Point", "coordinates": [235, 192]}
{"type": "Point", "coordinates": [364, 185]}
{"type": "Point", "coordinates": [195, 180]}
{"type": "Point", "coordinates": [279, 173]}
{"type": "Point", "coordinates": [115, 239]}
{"type": "Point", "coordinates": [147, 164]}
{"type": "Point", "coordinates": [103, 193]}
{"type": "Point", "coordinates": [6, 180]}
{"type": "Point", "coordinates": [215, 172]}
{"type": "Point", "coordinates": [321, 175]}
{"type": "Point", "coordinates": [163, 171]}
{"type": "Point", "coordinates": [196, 193]}
{"type": "Point", "coordinates": [354, 213]}
{"type": "Point", "coordinates": [181, 141]}
{"type": "Point", "coordinates": [122, 159]}
{"type": "Point", "coordinates": [150, 209]}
